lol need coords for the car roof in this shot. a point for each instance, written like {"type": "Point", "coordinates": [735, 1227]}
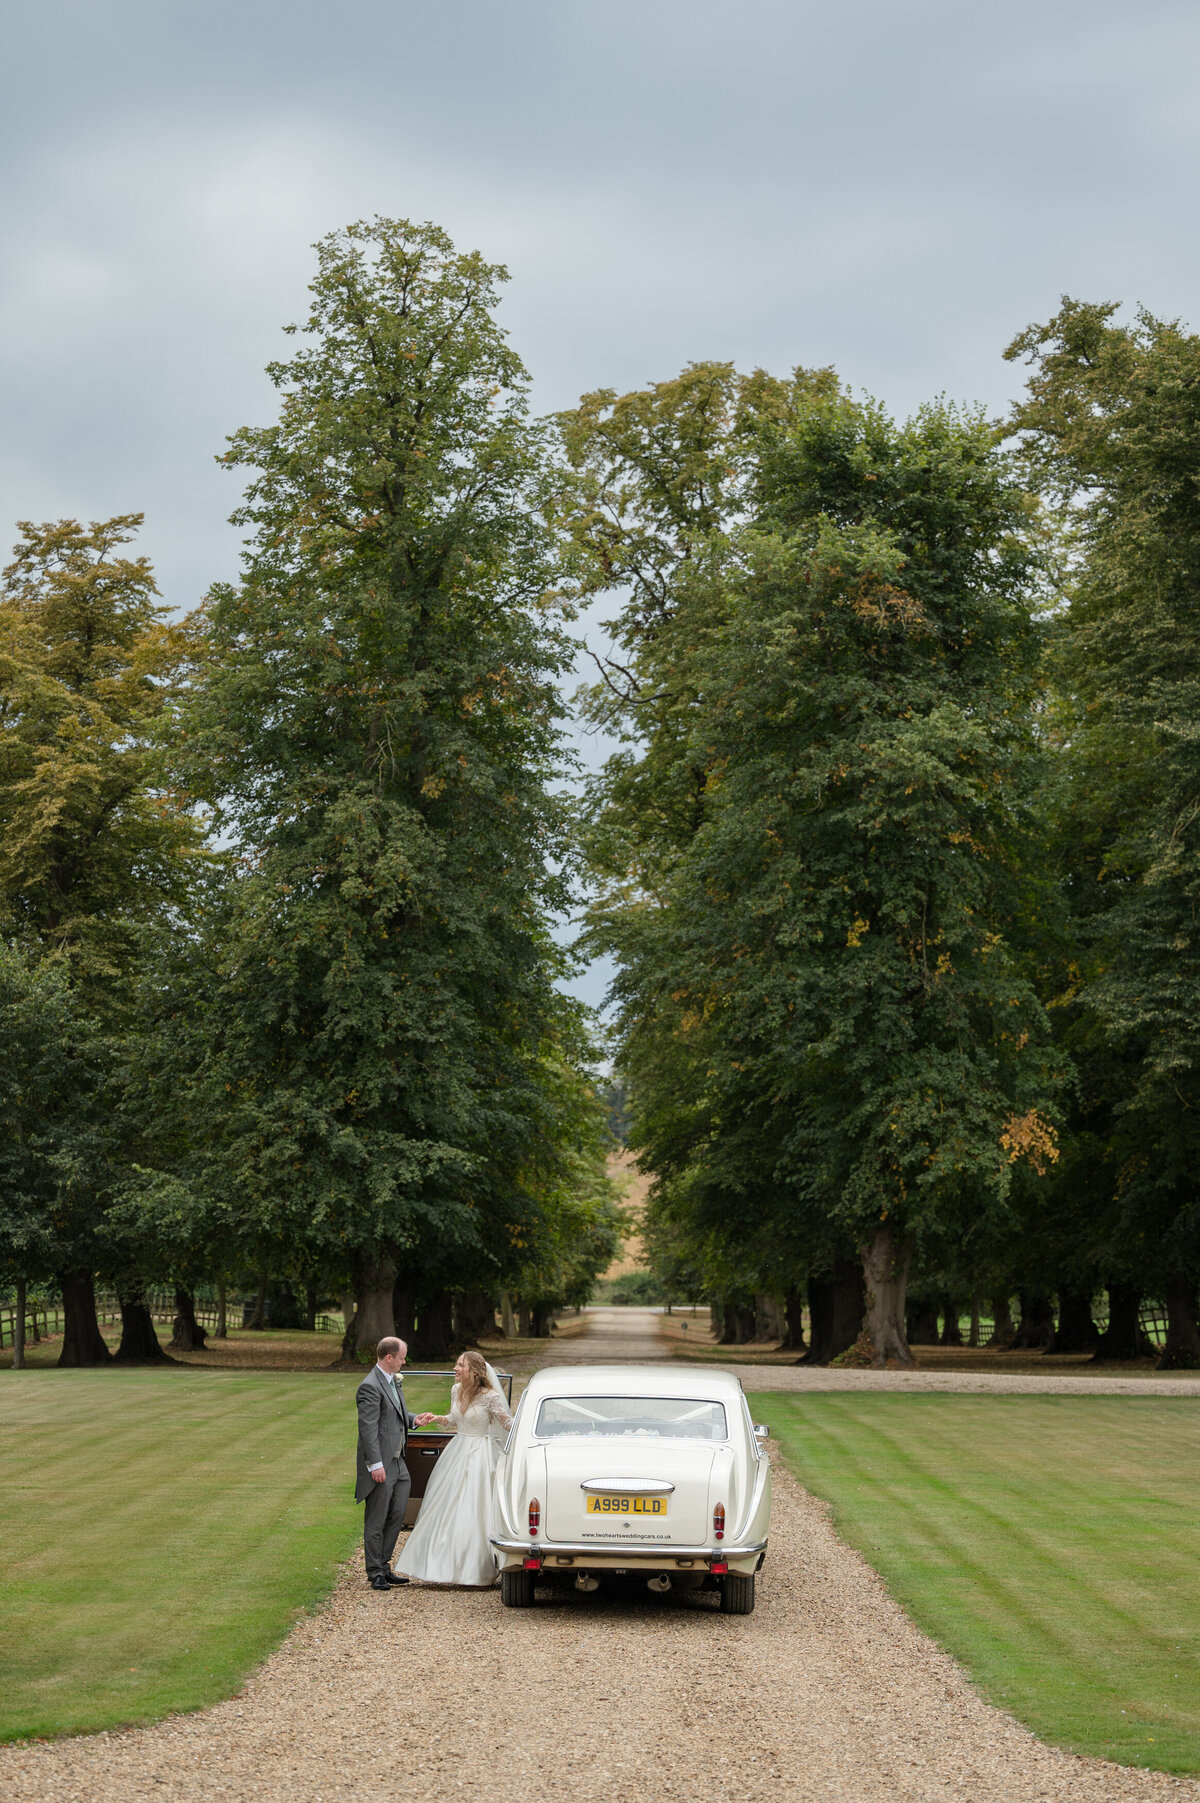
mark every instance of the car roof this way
{"type": "Point", "coordinates": [635, 1380]}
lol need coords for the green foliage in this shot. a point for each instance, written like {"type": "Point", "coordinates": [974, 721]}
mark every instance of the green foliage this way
{"type": "Point", "coordinates": [48, 1115]}
{"type": "Point", "coordinates": [374, 721]}
{"type": "Point", "coordinates": [637, 1289]}
{"type": "Point", "coordinates": [1111, 427]}
{"type": "Point", "coordinates": [816, 852]}
{"type": "Point", "coordinates": [92, 842]}
{"type": "Point", "coordinates": [98, 854]}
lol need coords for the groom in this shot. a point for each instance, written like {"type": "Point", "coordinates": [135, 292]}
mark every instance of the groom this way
{"type": "Point", "coordinates": [383, 1478]}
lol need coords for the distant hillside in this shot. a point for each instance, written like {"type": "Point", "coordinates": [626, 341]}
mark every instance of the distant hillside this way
{"type": "Point", "coordinates": [622, 1170]}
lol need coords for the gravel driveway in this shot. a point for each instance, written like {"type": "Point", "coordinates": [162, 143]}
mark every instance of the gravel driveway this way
{"type": "Point", "coordinates": [827, 1692]}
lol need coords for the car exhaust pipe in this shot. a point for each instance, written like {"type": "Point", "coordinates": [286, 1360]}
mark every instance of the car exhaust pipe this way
{"type": "Point", "coordinates": [660, 1583]}
{"type": "Point", "coordinates": [585, 1581]}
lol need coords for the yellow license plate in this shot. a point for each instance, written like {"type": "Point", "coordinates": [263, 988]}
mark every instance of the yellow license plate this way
{"type": "Point", "coordinates": [627, 1505]}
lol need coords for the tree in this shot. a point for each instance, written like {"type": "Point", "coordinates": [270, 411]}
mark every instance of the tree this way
{"type": "Point", "coordinates": [375, 723]}
{"type": "Point", "coordinates": [94, 848]}
{"type": "Point", "coordinates": [47, 1120]}
{"type": "Point", "coordinates": [828, 851]}
{"type": "Point", "coordinates": [1111, 428]}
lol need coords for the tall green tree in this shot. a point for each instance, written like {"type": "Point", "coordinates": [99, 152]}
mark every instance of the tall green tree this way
{"type": "Point", "coordinates": [1111, 426]}
{"type": "Point", "coordinates": [96, 850]}
{"type": "Point", "coordinates": [49, 1120]}
{"type": "Point", "coordinates": [822, 886]}
{"type": "Point", "coordinates": [375, 725]}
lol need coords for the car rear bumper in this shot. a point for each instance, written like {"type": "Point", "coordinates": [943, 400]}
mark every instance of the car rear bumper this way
{"type": "Point", "coordinates": [744, 1556]}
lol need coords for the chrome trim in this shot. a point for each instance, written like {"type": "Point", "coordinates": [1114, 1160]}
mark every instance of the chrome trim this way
{"type": "Point", "coordinates": [611, 1549]}
{"type": "Point", "coordinates": [626, 1486]}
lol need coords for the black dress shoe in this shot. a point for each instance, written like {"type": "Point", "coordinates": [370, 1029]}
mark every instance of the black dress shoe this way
{"type": "Point", "coordinates": [380, 1583]}
{"type": "Point", "coordinates": [394, 1577]}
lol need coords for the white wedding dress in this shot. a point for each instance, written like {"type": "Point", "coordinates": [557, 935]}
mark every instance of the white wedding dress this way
{"type": "Point", "coordinates": [449, 1544]}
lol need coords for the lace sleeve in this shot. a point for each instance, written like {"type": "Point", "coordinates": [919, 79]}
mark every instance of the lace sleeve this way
{"type": "Point", "coordinates": [494, 1403]}
{"type": "Point", "coordinates": [454, 1416]}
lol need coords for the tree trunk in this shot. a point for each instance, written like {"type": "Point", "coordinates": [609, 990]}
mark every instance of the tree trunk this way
{"type": "Point", "coordinates": [973, 1336]}
{"type": "Point", "coordinates": [187, 1335]}
{"type": "Point", "coordinates": [793, 1314]}
{"type": "Point", "coordinates": [348, 1308]}
{"type": "Point", "coordinates": [1036, 1326]}
{"type": "Point", "coordinates": [921, 1321]}
{"type": "Point", "coordinates": [18, 1363]}
{"type": "Point", "coordinates": [1002, 1322]}
{"type": "Point", "coordinates": [885, 1278]}
{"type": "Point", "coordinates": [374, 1283]}
{"type": "Point", "coordinates": [434, 1323]}
{"type": "Point", "coordinates": [258, 1314]}
{"type": "Point", "coordinates": [507, 1318]}
{"type": "Point", "coordinates": [543, 1320]}
{"type": "Point", "coordinates": [951, 1331]}
{"type": "Point", "coordinates": [283, 1307]}
{"type": "Point", "coordinates": [1076, 1331]}
{"type": "Point", "coordinates": [222, 1331]}
{"type": "Point", "coordinates": [1182, 1350]}
{"type": "Point", "coordinates": [835, 1306]}
{"type": "Point", "coordinates": [404, 1310]}
{"type": "Point", "coordinates": [83, 1343]}
{"type": "Point", "coordinates": [474, 1317]}
{"type": "Point", "coordinates": [728, 1313]}
{"type": "Point", "coordinates": [1123, 1337]}
{"type": "Point", "coordinates": [768, 1319]}
{"type": "Point", "coordinates": [743, 1315]}
{"type": "Point", "coordinates": [524, 1320]}
{"type": "Point", "coordinates": [139, 1342]}
{"type": "Point", "coordinates": [310, 1308]}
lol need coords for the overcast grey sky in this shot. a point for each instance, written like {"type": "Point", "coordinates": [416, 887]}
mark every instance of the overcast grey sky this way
{"type": "Point", "coordinates": [892, 186]}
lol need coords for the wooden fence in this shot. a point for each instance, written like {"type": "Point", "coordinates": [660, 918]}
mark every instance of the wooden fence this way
{"type": "Point", "coordinates": [44, 1318]}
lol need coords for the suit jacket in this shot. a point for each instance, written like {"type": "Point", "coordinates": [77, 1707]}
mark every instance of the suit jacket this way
{"type": "Point", "coordinates": [382, 1430]}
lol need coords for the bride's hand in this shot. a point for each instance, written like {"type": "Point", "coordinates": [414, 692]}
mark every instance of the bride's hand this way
{"type": "Point", "coordinates": [424, 1420]}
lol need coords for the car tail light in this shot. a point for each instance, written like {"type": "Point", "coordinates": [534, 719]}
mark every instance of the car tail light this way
{"type": "Point", "coordinates": [535, 1516]}
{"type": "Point", "coordinates": [531, 1564]}
{"type": "Point", "coordinates": [719, 1522]}
{"type": "Point", "coordinates": [718, 1566]}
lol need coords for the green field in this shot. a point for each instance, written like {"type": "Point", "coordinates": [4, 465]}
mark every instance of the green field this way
{"type": "Point", "coordinates": [161, 1530]}
{"type": "Point", "coordinates": [1051, 1543]}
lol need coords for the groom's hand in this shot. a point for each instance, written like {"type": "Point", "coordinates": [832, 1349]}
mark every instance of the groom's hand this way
{"type": "Point", "coordinates": [424, 1420]}
{"type": "Point", "coordinates": [379, 1474]}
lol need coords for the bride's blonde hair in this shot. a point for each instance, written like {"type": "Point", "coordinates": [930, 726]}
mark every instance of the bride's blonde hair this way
{"type": "Point", "coordinates": [476, 1380]}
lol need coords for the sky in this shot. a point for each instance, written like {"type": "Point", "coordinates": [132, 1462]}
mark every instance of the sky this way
{"type": "Point", "coordinates": [894, 187]}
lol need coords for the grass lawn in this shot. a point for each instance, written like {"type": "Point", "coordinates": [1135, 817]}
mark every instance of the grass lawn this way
{"type": "Point", "coordinates": [1049, 1542]}
{"type": "Point", "coordinates": [160, 1530]}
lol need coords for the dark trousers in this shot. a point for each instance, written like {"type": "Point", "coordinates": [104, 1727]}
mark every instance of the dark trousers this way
{"type": "Point", "coordinates": [383, 1517]}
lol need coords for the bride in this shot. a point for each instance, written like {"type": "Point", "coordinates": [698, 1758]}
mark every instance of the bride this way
{"type": "Point", "coordinates": [449, 1544]}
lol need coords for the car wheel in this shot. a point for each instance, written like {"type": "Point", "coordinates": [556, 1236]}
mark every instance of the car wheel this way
{"type": "Point", "coordinates": [737, 1594]}
{"type": "Point", "coordinates": [516, 1589]}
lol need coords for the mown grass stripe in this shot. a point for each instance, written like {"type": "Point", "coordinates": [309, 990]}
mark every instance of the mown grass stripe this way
{"type": "Point", "coordinates": [1048, 1542]}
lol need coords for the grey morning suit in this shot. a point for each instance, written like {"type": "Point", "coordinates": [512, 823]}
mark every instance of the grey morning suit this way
{"type": "Point", "coordinates": [382, 1438]}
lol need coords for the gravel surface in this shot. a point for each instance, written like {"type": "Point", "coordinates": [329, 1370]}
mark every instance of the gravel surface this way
{"type": "Point", "coordinates": [826, 1692]}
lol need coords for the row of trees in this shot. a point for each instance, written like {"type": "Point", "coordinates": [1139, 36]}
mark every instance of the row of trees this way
{"type": "Point", "coordinates": [899, 856]}
{"type": "Point", "coordinates": [278, 991]}
{"type": "Point", "coordinates": [897, 859]}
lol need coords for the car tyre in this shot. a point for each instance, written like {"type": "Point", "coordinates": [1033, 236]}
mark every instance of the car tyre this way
{"type": "Point", "coordinates": [737, 1594]}
{"type": "Point", "coordinates": [516, 1589]}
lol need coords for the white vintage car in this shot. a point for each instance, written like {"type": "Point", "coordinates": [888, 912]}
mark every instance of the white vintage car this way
{"type": "Point", "coordinates": [631, 1469]}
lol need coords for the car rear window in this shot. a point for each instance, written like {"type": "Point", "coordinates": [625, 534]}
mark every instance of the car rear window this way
{"type": "Point", "coordinates": [609, 1417]}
